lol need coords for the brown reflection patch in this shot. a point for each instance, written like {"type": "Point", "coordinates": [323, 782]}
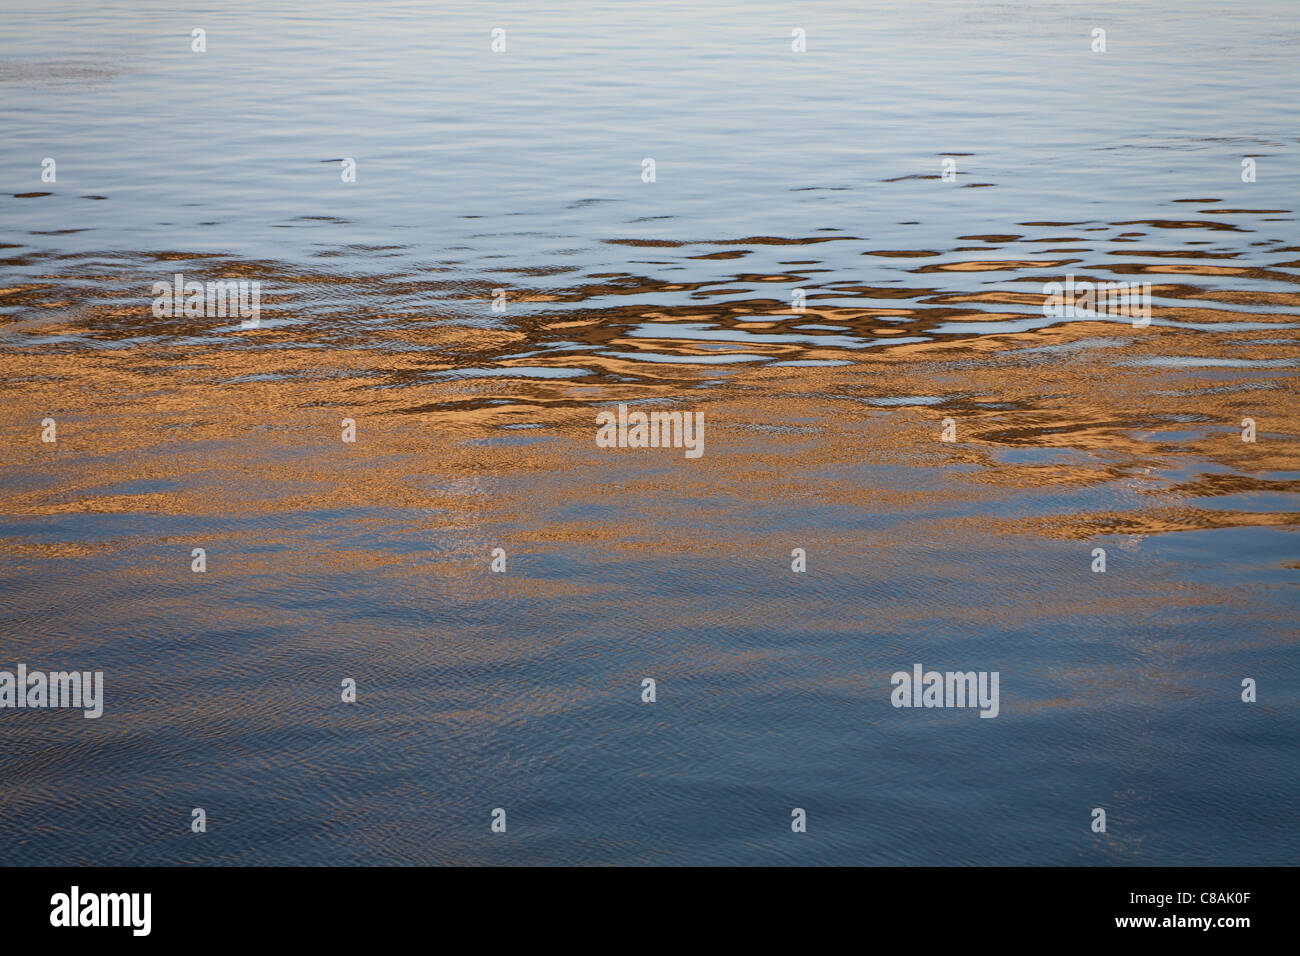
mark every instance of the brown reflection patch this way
{"type": "Point", "coordinates": [247, 424]}
{"type": "Point", "coordinates": [991, 265]}
{"type": "Point", "coordinates": [1179, 224]}
{"type": "Point", "coordinates": [1163, 521]}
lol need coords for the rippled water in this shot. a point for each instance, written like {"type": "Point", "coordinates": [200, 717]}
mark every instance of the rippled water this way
{"type": "Point", "coordinates": [775, 171]}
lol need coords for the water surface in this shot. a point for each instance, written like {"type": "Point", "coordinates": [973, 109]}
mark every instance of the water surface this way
{"type": "Point", "coordinates": [775, 171]}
